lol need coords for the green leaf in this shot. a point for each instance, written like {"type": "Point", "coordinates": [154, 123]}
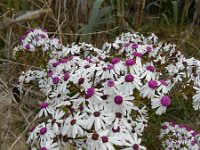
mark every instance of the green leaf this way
{"type": "Point", "coordinates": [65, 109]}
{"type": "Point", "coordinates": [107, 20]}
{"type": "Point", "coordinates": [166, 19]}
{"type": "Point", "coordinates": [175, 11]}
{"type": "Point", "coordinates": [105, 10]}
{"type": "Point", "coordinates": [98, 16]}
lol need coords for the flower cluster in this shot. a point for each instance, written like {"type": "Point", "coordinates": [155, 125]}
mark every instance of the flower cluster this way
{"type": "Point", "coordinates": [179, 137]}
{"type": "Point", "coordinates": [95, 97]}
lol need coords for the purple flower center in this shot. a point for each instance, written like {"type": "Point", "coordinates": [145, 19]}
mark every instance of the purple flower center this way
{"type": "Point", "coordinates": [50, 73]}
{"type": "Point", "coordinates": [72, 109]}
{"type": "Point", "coordinates": [110, 67]}
{"type": "Point", "coordinates": [87, 66]}
{"type": "Point", "coordinates": [81, 81]}
{"type": "Point", "coordinates": [137, 54]}
{"type": "Point", "coordinates": [116, 130]}
{"type": "Point", "coordinates": [194, 133]}
{"type": "Point", "coordinates": [37, 39]}
{"type": "Point", "coordinates": [150, 68]}
{"type": "Point", "coordinates": [118, 99]}
{"type": "Point", "coordinates": [90, 92]}
{"type": "Point", "coordinates": [56, 80]}
{"type": "Point", "coordinates": [165, 101]}
{"type": "Point", "coordinates": [126, 45]}
{"type": "Point", "coordinates": [43, 131]}
{"type": "Point", "coordinates": [149, 48]}
{"type": "Point", "coordinates": [73, 122]}
{"type": "Point", "coordinates": [44, 105]}
{"type": "Point", "coordinates": [66, 76]}
{"type": "Point", "coordinates": [164, 127]}
{"type": "Point", "coordinates": [118, 115]}
{"type": "Point", "coordinates": [129, 78]}
{"type": "Point", "coordinates": [104, 139]}
{"type": "Point", "coordinates": [43, 148]}
{"type": "Point", "coordinates": [188, 128]}
{"type": "Point", "coordinates": [134, 46]}
{"type": "Point", "coordinates": [115, 60]}
{"type": "Point", "coordinates": [136, 147]}
{"type": "Point", "coordinates": [27, 46]}
{"type": "Point", "coordinates": [130, 62]}
{"type": "Point", "coordinates": [32, 129]}
{"type": "Point", "coordinates": [89, 60]}
{"type": "Point", "coordinates": [81, 108]}
{"type": "Point", "coordinates": [193, 143]}
{"type": "Point", "coordinates": [95, 136]}
{"type": "Point", "coordinates": [163, 82]}
{"type": "Point", "coordinates": [100, 58]}
{"type": "Point", "coordinates": [153, 84]}
{"type": "Point", "coordinates": [43, 36]}
{"type": "Point", "coordinates": [55, 64]}
{"type": "Point", "coordinates": [63, 60]}
{"type": "Point", "coordinates": [96, 113]}
{"type": "Point", "coordinates": [110, 83]}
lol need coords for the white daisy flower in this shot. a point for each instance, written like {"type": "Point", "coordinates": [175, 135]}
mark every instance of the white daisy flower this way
{"type": "Point", "coordinates": [103, 141]}
{"type": "Point", "coordinates": [161, 102]}
{"type": "Point", "coordinates": [149, 72]}
{"type": "Point", "coordinates": [56, 120]}
{"type": "Point", "coordinates": [134, 143]}
{"type": "Point", "coordinates": [45, 108]}
{"type": "Point", "coordinates": [129, 82]}
{"type": "Point", "coordinates": [49, 145]}
{"type": "Point", "coordinates": [45, 132]}
{"type": "Point", "coordinates": [132, 67]}
{"type": "Point", "coordinates": [95, 117]}
{"type": "Point", "coordinates": [73, 126]}
{"type": "Point", "coordinates": [148, 90]}
{"type": "Point", "coordinates": [33, 133]}
{"type": "Point", "coordinates": [196, 99]}
{"type": "Point", "coordinates": [110, 87]}
{"type": "Point", "coordinates": [93, 96]}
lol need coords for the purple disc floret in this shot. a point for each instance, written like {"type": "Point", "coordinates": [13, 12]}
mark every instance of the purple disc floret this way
{"type": "Point", "coordinates": [150, 68]}
{"type": "Point", "coordinates": [129, 78]}
{"type": "Point", "coordinates": [96, 114]}
{"type": "Point", "coordinates": [110, 67]}
{"type": "Point", "coordinates": [43, 130]}
{"type": "Point", "coordinates": [66, 76]}
{"type": "Point", "coordinates": [137, 54]}
{"type": "Point", "coordinates": [44, 105]}
{"type": "Point", "coordinates": [43, 148]}
{"type": "Point", "coordinates": [56, 80]}
{"type": "Point", "coordinates": [27, 46]}
{"type": "Point", "coordinates": [115, 60]}
{"type": "Point", "coordinates": [165, 101]}
{"type": "Point", "coordinates": [32, 129]}
{"type": "Point", "coordinates": [110, 83]}
{"type": "Point", "coordinates": [153, 84]}
{"type": "Point", "coordinates": [149, 48]}
{"type": "Point", "coordinates": [90, 92]}
{"type": "Point", "coordinates": [130, 62]}
{"type": "Point", "coordinates": [136, 147]}
{"type": "Point", "coordinates": [134, 46]}
{"type": "Point", "coordinates": [104, 139]}
{"type": "Point", "coordinates": [118, 99]}
{"type": "Point", "coordinates": [163, 82]}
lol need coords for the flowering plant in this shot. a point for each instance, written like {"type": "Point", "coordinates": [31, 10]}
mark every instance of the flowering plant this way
{"type": "Point", "coordinates": [96, 98]}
